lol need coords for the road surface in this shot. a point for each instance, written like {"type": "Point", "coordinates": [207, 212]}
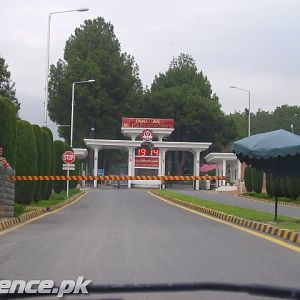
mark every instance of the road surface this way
{"type": "Point", "coordinates": [128, 236]}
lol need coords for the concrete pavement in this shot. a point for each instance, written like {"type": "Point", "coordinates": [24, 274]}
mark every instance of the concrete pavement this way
{"type": "Point", "coordinates": [128, 236]}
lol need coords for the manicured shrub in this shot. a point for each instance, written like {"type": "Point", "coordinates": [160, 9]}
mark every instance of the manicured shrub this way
{"type": "Point", "coordinates": [59, 149]}
{"type": "Point", "coordinates": [40, 158]}
{"type": "Point", "coordinates": [46, 186]}
{"type": "Point", "coordinates": [26, 161]}
{"type": "Point", "coordinates": [293, 186]}
{"type": "Point", "coordinates": [8, 129]}
{"type": "Point", "coordinates": [248, 179]}
{"type": "Point", "coordinates": [269, 186]}
{"type": "Point", "coordinates": [256, 180]}
{"type": "Point", "coordinates": [283, 187]}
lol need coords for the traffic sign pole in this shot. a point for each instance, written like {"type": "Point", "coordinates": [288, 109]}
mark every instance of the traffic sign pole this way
{"type": "Point", "coordinates": [68, 173]}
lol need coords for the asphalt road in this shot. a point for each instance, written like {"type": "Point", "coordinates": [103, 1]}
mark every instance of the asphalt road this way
{"type": "Point", "coordinates": [241, 201]}
{"type": "Point", "coordinates": [128, 236]}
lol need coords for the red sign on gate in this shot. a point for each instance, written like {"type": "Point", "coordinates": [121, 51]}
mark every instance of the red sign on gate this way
{"type": "Point", "coordinates": [68, 157]}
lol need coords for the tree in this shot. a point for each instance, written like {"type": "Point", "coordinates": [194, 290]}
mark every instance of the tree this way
{"type": "Point", "coordinates": [186, 95]}
{"type": "Point", "coordinates": [293, 187]}
{"type": "Point", "coordinates": [94, 52]}
{"type": "Point", "coordinates": [256, 180]}
{"type": "Point", "coordinates": [59, 149]}
{"type": "Point", "coordinates": [8, 129]}
{"type": "Point", "coordinates": [7, 86]}
{"type": "Point", "coordinates": [47, 140]}
{"type": "Point", "coordinates": [248, 179]}
{"type": "Point", "coordinates": [40, 160]}
{"type": "Point", "coordinates": [26, 161]}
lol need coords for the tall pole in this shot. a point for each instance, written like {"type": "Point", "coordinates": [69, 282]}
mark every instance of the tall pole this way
{"type": "Point", "coordinates": [72, 108]}
{"type": "Point", "coordinates": [48, 58]}
{"type": "Point", "coordinates": [249, 115]}
{"type": "Point", "coordinates": [249, 107]}
{"type": "Point", "coordinates": [47, 72]}
{"type": "Point", "coordinates": [72, 114]}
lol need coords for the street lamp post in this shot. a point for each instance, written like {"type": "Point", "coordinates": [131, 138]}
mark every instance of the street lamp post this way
{"type": "Point", "coordinates": [72, 109]}
{"type": "Point", "coordinates": [249, 111]}
{"type": "Point", "coordinates": [48, 58]}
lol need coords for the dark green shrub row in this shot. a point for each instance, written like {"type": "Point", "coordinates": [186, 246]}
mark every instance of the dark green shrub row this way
{"type": "Point", "coordinates": [253, 180]}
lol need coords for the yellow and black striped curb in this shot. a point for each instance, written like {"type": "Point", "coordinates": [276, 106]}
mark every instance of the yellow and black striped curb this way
{"type": "Point", "coordinates": [116, 177]}
{"type": "Point", "coordinates": [269, 201]}
{"type": "Point", "coordinates": [286, 234]}
{"type": "Point", "coordinates": [10, 222]}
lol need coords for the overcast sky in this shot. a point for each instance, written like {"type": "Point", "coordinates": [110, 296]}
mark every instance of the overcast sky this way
{"type": "Point", "coordinates": [253, 44]}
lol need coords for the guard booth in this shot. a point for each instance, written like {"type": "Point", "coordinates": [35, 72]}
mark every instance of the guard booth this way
{"type": "Point", "coordinates": [142, 159]}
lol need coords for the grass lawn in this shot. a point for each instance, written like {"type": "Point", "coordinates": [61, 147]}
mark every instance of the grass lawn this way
{"type": "Point", "coordinates": [268, 197]}
{"type": "Point", "coordinates": [53, 200]}
{"type": "Point", "coordinates": [246, 213]}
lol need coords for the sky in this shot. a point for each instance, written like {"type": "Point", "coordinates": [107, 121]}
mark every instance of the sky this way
{"type": "Point", "coordinates": [252, 44]}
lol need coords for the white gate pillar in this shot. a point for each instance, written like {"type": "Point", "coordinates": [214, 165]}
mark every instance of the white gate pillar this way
{"type": "Point", "coordinates": [223, 171]}
{"type": "Point", "coordinates": [131, 162]}
{"type": "Point", "coordinates": [197, 167]}
{"type": "Point", "coordinates": [96, 150]}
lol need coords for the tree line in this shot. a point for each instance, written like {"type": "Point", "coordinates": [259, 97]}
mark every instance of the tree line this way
{"type": "Point", "coordinates": [30, 150]}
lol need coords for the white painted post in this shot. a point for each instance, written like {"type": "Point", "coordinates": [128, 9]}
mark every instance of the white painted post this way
{"type": "Point", "coordinates": [224, 171]}
{"type": "Point", "coordinates": [96, 150]}
{"type": "Point", "coordinates": [196, 167]}
{"type": "Point", "coordinates": [217, 174]}
{"type": "Point", "coordinates": [131, 155]}
{"type": "Point", "coordinates": [68, 173]}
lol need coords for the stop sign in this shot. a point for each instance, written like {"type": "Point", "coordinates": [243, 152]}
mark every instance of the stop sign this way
{"type": "Point", "coordinates": [68, 157]}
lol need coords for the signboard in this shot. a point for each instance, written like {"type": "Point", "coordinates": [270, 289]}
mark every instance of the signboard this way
{"type": "Point", "coordinates": [70, 167]}
{"type": "Point", "coordinates": [100, 172]}
{"type": "Point", "coordinates": [147, 162]}
{"type": "Point", "coordinates": [147, 123]}
{"type": "Point", "coordinates": [68, 157]}
{"type": "Point", "coordinates": [146, 151]}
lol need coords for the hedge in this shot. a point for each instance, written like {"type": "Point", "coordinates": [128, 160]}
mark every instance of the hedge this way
{"type": "Point", "coordinates": [59, 149]}
{"type": "Point", "coordinates": [26, 161]}
{"type": "Point", "coordinates": [40, 160]}
{"type": "Point", "coordinates": [46, 139]}
{"type": "Point", "coordinates": [8, 129]}
{"type": "Point", "coordinates": [256, 180]}
{"type": "Point", "coordinates": [293, 186]}
{"type": "Point", "coordinates": [248, 179]}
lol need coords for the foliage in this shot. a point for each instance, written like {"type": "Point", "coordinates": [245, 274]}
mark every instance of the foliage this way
{"type": "Point", "coordinates": [293, 185]}
{"type": "Point", "coordinates": [7, 86]}
{"type": "Point", "coordinates": [283, 187]}
{"type": "Point", "coordinates": [26, 161]}
{"type": "Point", "coordinates": [47, 162]}
{"type": "Point", "coordinates": [248, 179]}
{"type": "Point", "coordinates": [8, 129]}
{"type": "Point", "coordinates": [256, 180]}
{"type": "Point", "coordinates": [94, 52]}
{"type": "Point", "coordinates": [59, 149]}
{"type": "Point", "coordinates": [40, 160]}
{"type": "Point", "coordinates": [186, 95]}
{"type": "Point", "coordinates": [269, 184]}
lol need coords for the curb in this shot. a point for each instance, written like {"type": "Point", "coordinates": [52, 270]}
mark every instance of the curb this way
{"type": "Point", "coordinates": [289, 235]}
{"type": "Point", "coordinates": [11, 222]}
{"type": "Point", "coordinates": [268, 201]}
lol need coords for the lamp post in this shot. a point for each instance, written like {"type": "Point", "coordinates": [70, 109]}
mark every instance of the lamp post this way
{"type": "Point", "coordinates": [72, 109]}
{"type": "Point", "coordinates": [249, 111]}
{"type": "Point", "coordinates": [48, 57]}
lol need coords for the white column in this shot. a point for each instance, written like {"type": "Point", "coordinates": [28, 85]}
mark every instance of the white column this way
{"type": "Point", "coordinates": [96, 150]}
{"type": "Point", "coordinates": [223, 171]}
{"type": "Point", "coordinates": [163, 163]}
{"type": "Point", "coordinates": [217, 174]}
{"type": "Point", "coordinates": [130, 164]}
{"type": "Point", "coordinates": [196, 166]}
{"type": "Point", "coordinates": [220, 173]}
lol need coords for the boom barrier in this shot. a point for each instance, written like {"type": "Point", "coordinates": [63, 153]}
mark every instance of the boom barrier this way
{"type": "Point", "coordinates": [116, 177]}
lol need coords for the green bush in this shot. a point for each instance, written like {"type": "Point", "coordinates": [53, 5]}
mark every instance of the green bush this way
{"type": "Point", "coordinates": [8, 129]}
{"type": "Point", "coordinates": [256, 180]}
{"type": "Point", "coordinates": [26, 161]}
{"type": "Point", "coordinates": [40, 158]}
{"type": "Point", "coordinates": [283, 187]}
{"type": "Point", "coordinates": [269, 186]}
{"type": "Point", "coordinates": [46, 186]}
{"type": "Point", "coordinates": [293, 186]}
{"type": "Point", "coordinates": [248, 179]}
{"type": "Point", "coordinates": [59, 149]}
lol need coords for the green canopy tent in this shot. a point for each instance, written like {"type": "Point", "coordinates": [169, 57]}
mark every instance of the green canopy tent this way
{"type": "Point", "coordinates": [276, 152]}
